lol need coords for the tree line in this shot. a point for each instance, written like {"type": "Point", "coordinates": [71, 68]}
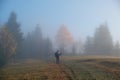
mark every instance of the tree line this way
{"type": "Point", "coordinates": [101, 43]}
{"type": "Point", "coordinates": [13, 45]}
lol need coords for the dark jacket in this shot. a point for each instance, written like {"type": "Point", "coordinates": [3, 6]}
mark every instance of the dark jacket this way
{"type": "Point", "coordinates": [57, 54]}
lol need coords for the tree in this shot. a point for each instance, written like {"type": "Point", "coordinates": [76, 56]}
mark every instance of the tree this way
{"type": "Point", "coordinates": [14, 28]}
{"type": "Point", "coordinates": [74, 49]}
{"type": "Point", "coordinates": [79, 46]}
{"type": "Point", "coordinates": [38, 43]}
{"type": "Point", "coordinates": [64, 38]}
{"type": "Point", "coordinates": [27, 46]}
{"type": "Point", "coordinates": [117, 49]}
{"type": "Point", "coordinates": [3, 59]}
{"type": "Point", "coordinates": [103, 43]}
{"type": "Point", "coordinates": [33, 44]}
{"type": "Point", "coordinates": [36, 46]}
{"type": "Point", "coordinates": [89, 46]}
{"type": "Point", "coordinates": [48, 48]}
{"type": "Point", "coordinates": [8, 44]}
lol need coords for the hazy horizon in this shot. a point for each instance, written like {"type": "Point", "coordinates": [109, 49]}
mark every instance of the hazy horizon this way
{"type": "Point", "coordinates": [81, 17]}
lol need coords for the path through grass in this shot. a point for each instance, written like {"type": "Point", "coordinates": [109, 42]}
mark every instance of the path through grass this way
{"type": "Point", "coordinates": [70, 69]}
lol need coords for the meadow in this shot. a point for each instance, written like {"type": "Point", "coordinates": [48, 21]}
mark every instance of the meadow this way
{"type": "Point", "coordinates": [71, 68]}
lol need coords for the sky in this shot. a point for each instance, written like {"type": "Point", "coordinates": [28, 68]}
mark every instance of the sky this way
{"type": "Point", "coordinates": [80, 16]}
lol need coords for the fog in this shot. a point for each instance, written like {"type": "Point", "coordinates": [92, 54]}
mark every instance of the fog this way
{"type": "Point", "coordinates": [59, 40]}
{"type": "Point", "coordinates": [35, 33]}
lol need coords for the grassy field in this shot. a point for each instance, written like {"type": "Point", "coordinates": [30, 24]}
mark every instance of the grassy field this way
{"type": "Point", "coordinates": [71, 68]}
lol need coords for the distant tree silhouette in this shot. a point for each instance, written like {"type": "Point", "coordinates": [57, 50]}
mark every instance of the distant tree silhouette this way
{"type": "Point", "coordinates": [103, 43]}
{"type": "Point", "coordinates": [14, 28]}
{"type": "Point", "coordinates": [117, 49]}
{"type": "Point", "coordinates": [48, 48]}
{"type": "Point", "coordinates": [79, 46]}
{"type": "Point", "coordinates": [74, 49]}
{"type": "Point", "coordinates": [36, 46]}
{"type": "Point", "coordinates": [89, 46]}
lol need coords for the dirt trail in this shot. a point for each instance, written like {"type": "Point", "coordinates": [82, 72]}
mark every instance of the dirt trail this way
{"type": "Point", "coordinates": [48, 71]}
{"type": "Point", "coordinates": [57, 72]}
{"type": "Point", "coordinates": [112, 70]}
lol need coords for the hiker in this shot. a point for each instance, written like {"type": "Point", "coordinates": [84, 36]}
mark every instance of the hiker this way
{"type": "Point", "coordinates": [57, 55]}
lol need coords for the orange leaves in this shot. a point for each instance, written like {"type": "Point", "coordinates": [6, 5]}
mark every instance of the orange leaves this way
{"type": "Point", "coordinates": [64, 38]}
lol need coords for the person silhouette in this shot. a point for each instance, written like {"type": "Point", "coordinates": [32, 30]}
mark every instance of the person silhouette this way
{"type": "Point", "coordinates": [57, 55]}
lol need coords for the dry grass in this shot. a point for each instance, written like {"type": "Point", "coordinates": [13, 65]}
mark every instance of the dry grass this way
{"type": "Point", "coordinates": [72, 68]}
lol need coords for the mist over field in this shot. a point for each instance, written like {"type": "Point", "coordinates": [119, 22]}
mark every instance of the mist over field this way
{"type": "Point", "coordinates": [59, 40]}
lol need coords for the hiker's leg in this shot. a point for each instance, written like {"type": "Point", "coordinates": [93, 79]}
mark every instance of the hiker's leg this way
{"type": "Point", "coordinates": [58, 60]}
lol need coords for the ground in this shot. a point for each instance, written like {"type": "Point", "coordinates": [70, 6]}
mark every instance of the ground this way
{"type": "Point", "coordinates": [71, 68]}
